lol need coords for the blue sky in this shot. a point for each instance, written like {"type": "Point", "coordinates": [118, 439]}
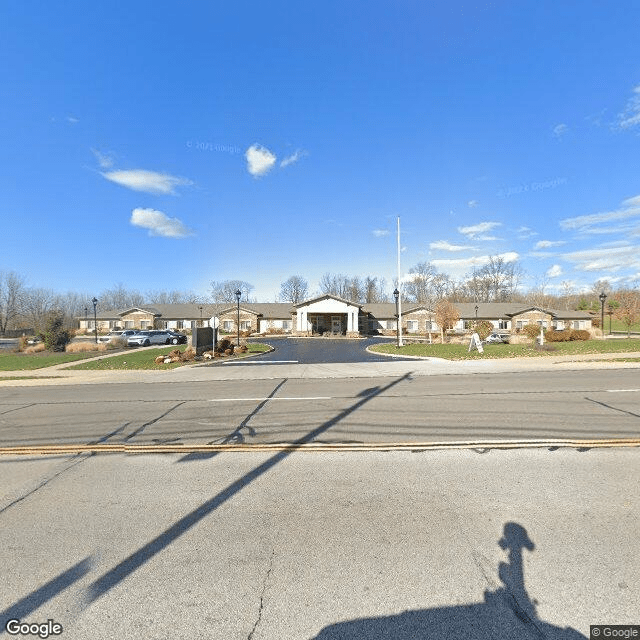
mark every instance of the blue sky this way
{"type": "Point", "coordinates": [164, 145]}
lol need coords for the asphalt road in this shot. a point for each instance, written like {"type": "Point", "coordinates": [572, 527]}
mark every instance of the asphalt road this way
{"type": "Point", "coordinates": [571, 404]}
{"type": "Point", "coordinates": [523, 545]}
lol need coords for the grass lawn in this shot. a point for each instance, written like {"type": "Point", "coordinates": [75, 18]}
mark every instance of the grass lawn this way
{"type": "Point", "coordinates": [459, 351]}
{"type": "Point", "coordinates": [144, 359]}
{"type": "Point", "coordinates": [618, 325]}
{"type": "Point", "coordinates": [29, 361]}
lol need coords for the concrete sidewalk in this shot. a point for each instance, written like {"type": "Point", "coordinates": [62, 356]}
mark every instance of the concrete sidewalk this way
{"type": "Point", "coordinates": [253, 369]}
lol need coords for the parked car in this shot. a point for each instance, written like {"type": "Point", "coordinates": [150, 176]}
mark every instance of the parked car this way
{"type": "Point", "coordinates": [496, 338]}
{"type": "Point", "coordinates": [33, 340]}
{"type": "Point", "coordinates": [112, 336]}
{"type": "Point", "coordinates": [145, 338]}
{"type": "Point", "coordinates": [176, 337]}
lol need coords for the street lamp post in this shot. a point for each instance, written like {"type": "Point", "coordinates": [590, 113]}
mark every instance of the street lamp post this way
{"type": "Point", "coordinates": [95, 318]}
{"type": "Point", "coordinates": [396, 294]}
{"type": "Point", "coordinates": [200, 307]}
{"type": "Point", "coordinates": [476, 316]}
{"type": "Point", "coordinates": [610, 312]}
{"type": "Point", "coordinates": [238, 294]}
{"type": "Point", "coordinates": [602, 297]}
{"type": "Point", "coordinates": [86, 319]}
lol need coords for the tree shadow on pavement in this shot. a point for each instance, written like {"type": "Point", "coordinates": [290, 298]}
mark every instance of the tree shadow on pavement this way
{"type": "Point", "coordinates": [506, 613]}
{"type": "Point", "coordinates": [133, 562]}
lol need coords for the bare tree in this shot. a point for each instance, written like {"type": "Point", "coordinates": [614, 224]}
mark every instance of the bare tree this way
{"type": "Point", "coordinates": [37, 304]}
{"type": "Point", "coordinates": [294, 289]}
{"type": "Point", "coordinates": [225, 291]}
{"type": "Point", "coordinates": [119, 297]}
{"type": "Point", "coordinates": [375, 290]}
{"type": "Point", "coordinates": [335, 284]}
{"type": "Point", "coordinates": [11, 294]}
{"type": "Point", "coordinates": [496, 281]}
{"type": "Point", "coordinates": [171, 297]}
{"type": "Point", "coordinates": [418, 286]}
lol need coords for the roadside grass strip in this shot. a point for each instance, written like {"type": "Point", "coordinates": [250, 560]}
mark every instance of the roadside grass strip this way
{"type": "Point", "coordinates": [495, 351]}
{"type": "Point", "coordinates": [31, 361]}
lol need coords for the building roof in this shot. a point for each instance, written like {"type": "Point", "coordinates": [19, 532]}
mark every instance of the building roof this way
{"type": "Point", "coordinates": [328, 295]}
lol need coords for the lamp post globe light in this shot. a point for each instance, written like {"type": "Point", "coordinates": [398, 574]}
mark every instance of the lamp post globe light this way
{"type": "Point", "coordinates": [95, 318]}
{"type": "Point", "coordinates": [238, 294]}
{"type": "Point", "coordinates": [602, 297]}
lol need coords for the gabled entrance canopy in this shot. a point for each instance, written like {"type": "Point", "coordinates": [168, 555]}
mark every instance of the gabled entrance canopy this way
{"type": "Point", "coordinates": [327, 314]}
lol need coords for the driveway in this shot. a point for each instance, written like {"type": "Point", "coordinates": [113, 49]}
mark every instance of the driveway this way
{"type": "Point", "coordinates": [318, 350]}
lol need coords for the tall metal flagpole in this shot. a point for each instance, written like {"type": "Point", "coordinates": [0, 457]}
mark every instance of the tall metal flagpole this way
{"type": "Point", "coordinates": [400, 290]}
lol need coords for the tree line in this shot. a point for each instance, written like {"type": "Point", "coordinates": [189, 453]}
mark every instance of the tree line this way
{"type": "Point", "coordinates": [497, 281]}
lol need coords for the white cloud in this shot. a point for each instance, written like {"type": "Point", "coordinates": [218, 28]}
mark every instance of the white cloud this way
{"type": "Point", "coordinates": [259, 160]}
{"type": "Point", "coordinates": [554, 271]}
{"type": "Point", "coordinates": [630, 117]}
{"type": "Point", "coordinates": [379, 233]}
{"type": "Point", "coordinates": [585, 224]}
{"type": "Point", "coordinates": [472, 204]}
{"type": "Point", "coordinates": [474, 232]}
{"type": "Point", "coordinates": [147, 181]}
{"type": "Point", "coordinates": [547, 244]}
{"type": "Point", "coordinates": [447, 246]}
{"type": "Point", "coordinates": [159, 224]}
{"type": "Point", "coordinates": [72, 120]}
{"type": "Point", "coordinates": [294, 157]}
{"type": "Point", "coordinates": [608, 259]}
{"type": "Point", "coordinates": [104, 159]}
{"type": "Point", "coordinates": [526, 232]}
{"type": "Point", "coordinates": [559, 130]}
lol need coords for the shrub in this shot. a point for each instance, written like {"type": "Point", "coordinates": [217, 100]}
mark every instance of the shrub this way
{"type": "Point", "coordinates": [36, 348]}
{"type": "Point", "coordinates": [22, 343]}
{"type": "Point", "coordinates": [223, 345]}
{"type": "Point", "coordinates": [579, 334]}
{"type": "Point", "coordinates": [553, 335]}
{"type": "Point", "coordinates": [56, 337]}
{"type": "Point", "coordinates": [83, 347]}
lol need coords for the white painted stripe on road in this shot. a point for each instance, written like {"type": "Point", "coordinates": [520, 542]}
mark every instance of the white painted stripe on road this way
{"type": "Point", "coordinates": [269, 398]}
{"type": "Point", "coordinates": [263, 362]}
{"type": "Point", "coordinates": [622, 390]}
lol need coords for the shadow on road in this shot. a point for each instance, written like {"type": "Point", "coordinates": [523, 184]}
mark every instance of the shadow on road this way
{"type": "Point", "coordinates": [506, 613]}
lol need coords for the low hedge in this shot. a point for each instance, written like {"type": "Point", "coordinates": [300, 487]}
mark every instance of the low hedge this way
{"type": "Point", "coordinates": [566, 335]}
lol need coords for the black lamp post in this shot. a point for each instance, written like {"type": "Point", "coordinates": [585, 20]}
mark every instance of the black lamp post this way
{"type": "Point", "coordinates": [602, 297]}
{"type": "Point", "coordinates": [396, 295]}
{"type": "Point", "coordinates": [238, 294]}
{"type": "Point", "coordinates": [95, 318]}
{"type": "Point", "coordinates": [200, 307]}
{"type": "Point", "coordinates": [476, 316]}
{"type": "Point", "coordinates": [86, 319]}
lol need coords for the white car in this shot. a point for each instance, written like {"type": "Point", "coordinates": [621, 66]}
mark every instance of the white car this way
{"type": "Point", "coordinates": [112, 336]}
{"type": "Point", "coordinates": [145, 338]}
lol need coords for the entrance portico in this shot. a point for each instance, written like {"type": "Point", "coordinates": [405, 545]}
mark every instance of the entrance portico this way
{"type": "Point", "coordinates": [327, 314]}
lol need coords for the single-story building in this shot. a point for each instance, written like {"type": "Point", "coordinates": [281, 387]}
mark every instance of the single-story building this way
{"type": "Point", "coordinates": [331, 315]}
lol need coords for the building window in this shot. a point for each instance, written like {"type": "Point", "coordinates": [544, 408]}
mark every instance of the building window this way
{"type": "Point", "coordinates": [245, 325]}
{"type": "Point", "coordinates": [286, 325]}
{"type": "Point", "coordinates": [226, 325]}
{"type": "Point", "coordinates": [144, 324]}
{"type": "Point", "coordinates": [392, 324]}
{"type": "Point", "coordinates": [180, 324]}
{"type": "Point", "coordinates": [128, 324]}
{"type": "Point", "coordinates": [412, 326]}
{"type": "Point", "coordinates": [502, 324]}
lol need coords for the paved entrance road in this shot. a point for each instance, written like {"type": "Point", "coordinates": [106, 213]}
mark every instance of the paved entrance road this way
{"type": "Point", "coordinates": [319, 350]}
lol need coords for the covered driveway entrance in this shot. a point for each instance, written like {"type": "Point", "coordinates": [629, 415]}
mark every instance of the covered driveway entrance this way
{"type": "Point", "coordinates": [327, 315]}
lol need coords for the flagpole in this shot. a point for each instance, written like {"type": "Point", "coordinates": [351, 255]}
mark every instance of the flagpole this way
{"type": "Point", "coordinates": [400, 290]}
